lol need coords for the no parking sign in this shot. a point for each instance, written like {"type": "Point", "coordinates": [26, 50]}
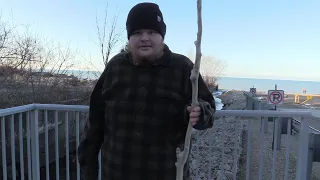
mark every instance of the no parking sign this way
{"type": "Point", "coordinates": [275, 97]}
{"type": "Point", "coordinates": [253, 90]}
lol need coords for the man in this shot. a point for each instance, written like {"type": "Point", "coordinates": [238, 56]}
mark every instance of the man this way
{"type": "Point", "coordinates": [140, 106]}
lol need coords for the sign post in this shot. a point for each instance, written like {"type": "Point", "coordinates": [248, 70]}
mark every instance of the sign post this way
{"type": "Point", "coordinates": [276, 97]}
{"type": "Point", "coordinates": [253, 91]}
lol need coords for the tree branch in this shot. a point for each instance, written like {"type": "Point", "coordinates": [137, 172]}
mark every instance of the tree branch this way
{"type": "Point", "coordinates": [182, 156]}
{"type": "Point", "coordinates": [107, 40]}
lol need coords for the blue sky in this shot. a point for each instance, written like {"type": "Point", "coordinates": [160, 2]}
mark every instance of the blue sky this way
{"type": "Point", "coordinates": [262, 39]}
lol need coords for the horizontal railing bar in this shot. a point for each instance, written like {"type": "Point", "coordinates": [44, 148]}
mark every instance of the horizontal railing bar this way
{"type": "Point", "coordinates": [263, 113]}
{"type": "Point", "coordinates": [16, 110]}
{"type": "Point", "coordinates": [216, 147]}
{"type": "Point", "coordinates": [62, 107]}
{"type": "Point", "coordinates": [219, 113]}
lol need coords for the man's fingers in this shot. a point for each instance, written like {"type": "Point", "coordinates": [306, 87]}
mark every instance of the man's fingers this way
{"type": "Point", "coordinates": [197, 108]}
{"type": "Point", "coordinates": [193, 121]}
{"type": "Point", "coordinates": [194, 114]}
{"type": "Point", "coordinates": [189, 108]}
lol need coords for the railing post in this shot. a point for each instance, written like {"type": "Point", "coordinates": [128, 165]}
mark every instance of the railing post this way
{"type": "Point", "coordinates": [284, 125]}
{"type": "Point", "coordinates": [262, 107]}
{"type": "Point", "coordinates": [247, 100]}
{"type": "Point", "coordinates": [316, 147]}
{"type": "Point", "coordinates": [35, 145]}
{"type": "Point", "coordinates": [276, 133]}
{"type": "Point", "coordinates": [303, 163]}
{"type": "Point", "coordinates": [313, 152]}
{"type": "Point", "coordinates": [250, 102]}
{"type": "Point", "coordinates": [256, 104]}
{"type": "Point", "coordinates": [253, 102]}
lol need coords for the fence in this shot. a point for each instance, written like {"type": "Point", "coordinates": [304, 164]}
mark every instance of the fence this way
{"type": "Point", "coordinates": [41, 134]}
{"type": "Point", "coordinates": [313, 143]}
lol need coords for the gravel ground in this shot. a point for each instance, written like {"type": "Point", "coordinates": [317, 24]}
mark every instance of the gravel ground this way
{"type": "Point", "coordinates": [218, 144]}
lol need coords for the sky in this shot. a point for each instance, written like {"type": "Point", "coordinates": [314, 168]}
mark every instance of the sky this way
{"type": "Point", "coordinates": [277, 39]}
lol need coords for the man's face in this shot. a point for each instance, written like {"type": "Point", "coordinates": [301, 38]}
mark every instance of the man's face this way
{"type": "Point", "coordinates": [146, 45]}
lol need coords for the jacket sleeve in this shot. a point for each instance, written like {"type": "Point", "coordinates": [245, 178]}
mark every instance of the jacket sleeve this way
{"type": "Point", "coordinates": [93, 135]}
{"type": "Point", "coordinates": [207, 105]}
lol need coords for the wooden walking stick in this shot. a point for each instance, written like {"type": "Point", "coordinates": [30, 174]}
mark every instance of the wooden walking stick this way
{"type": "Point", "coordinates": [182, 156]}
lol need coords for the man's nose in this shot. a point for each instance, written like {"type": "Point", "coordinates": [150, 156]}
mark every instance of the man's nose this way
{"type": "Point", "coordinates": [145, 36]}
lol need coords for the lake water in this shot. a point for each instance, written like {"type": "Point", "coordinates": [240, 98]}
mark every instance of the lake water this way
{"type": "Point", "coordinates": [289, 86]}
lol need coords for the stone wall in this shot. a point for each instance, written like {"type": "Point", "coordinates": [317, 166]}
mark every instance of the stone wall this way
{"type": "Point", "coordinates": [216, 152]}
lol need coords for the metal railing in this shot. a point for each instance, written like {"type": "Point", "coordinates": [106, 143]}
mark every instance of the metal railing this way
{"type": "Point", "coordinates": [254, 104]}
{"type": "Point", "coordinates": [296, 126]}
{"type": "Point", "coordinates": [43, 135]}
{"type": "Point", "coordinates": [313, 154]}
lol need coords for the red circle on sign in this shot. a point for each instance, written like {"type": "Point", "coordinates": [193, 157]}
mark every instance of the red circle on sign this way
{"type": "Point", "coordinates": [272, 94]}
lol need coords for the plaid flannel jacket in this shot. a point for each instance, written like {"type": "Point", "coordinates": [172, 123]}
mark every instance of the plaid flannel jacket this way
{"type": "Point", "coordinates": [138, 118]}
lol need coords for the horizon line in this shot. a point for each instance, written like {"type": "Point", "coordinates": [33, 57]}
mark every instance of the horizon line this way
{"type": "Point", "coordinates": [265, 78]}
{"type": "Point", "coordinates": [238, 77]}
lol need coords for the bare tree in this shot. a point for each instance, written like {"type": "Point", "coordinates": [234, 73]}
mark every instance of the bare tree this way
{"type": "Point", "coordinates": [108, 36]}
{"type": "Point", "coordinates": [7, 50]}
{"type": "Point", "coordinates": [211, 69]}
{"type": "Point", "coordinates": [33, 70]}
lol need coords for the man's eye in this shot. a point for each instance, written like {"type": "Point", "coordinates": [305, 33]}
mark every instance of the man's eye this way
{"type": "Point", "coordinates": [136, 32]}
{"type": "Point", "coordinates": [153, 32]}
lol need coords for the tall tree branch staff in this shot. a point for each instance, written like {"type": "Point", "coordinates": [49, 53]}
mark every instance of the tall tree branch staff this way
{"type": "Point", "coordinates": [140, 107]}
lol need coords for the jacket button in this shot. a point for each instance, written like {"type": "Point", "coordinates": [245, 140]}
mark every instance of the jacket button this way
{"type": "Point", "coordinates": [143, 89]}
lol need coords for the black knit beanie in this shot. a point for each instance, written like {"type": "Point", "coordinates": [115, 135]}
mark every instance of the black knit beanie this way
{"type": "Point", "coordinates": [145, 16]}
